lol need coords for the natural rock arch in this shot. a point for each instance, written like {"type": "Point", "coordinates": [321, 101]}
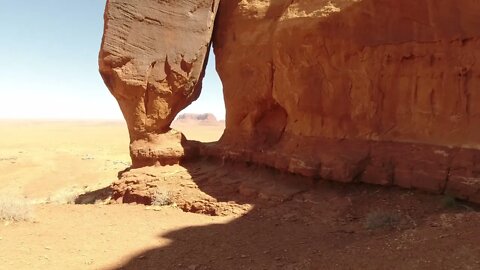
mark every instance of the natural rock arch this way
{"type": "Point", "coordinates": [377, 91]}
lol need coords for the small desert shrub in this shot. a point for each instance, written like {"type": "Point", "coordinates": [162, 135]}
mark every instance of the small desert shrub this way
{"type": "Point", "coordinates": [161, 197]}
{"type": "Point", "coordinates": [66, 196]}
{"type": "Point", "coordinates": [15, 209]}
{"type": "Point", "coordinates": [449, 202]}
{"type": "Point", "coordinates": [381, 219]}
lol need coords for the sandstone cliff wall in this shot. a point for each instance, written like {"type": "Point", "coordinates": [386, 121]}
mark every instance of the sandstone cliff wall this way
{"type": "Point", "coordinates": [379, 91]}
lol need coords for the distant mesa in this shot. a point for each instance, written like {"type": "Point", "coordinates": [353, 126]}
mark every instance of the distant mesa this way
{"type": "Point", "coordinates": [204, 118]}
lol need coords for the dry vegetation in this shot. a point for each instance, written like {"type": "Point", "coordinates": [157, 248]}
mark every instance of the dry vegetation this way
{"type": "Point", "coordinates": [15, 209]}
{"type": "Point", "coordinates": [161, 198]}
{"type": "Point", "coordinates": [382, 219]}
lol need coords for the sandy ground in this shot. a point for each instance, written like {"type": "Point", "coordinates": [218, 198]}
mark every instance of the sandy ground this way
{"type": "Point", "coordinates": [90, 236]}
{"type": "Point", "coordinates": [50, 160]}
{"type": "Point", "coordinates": [268, 220]}
{"type": "Point", "coordinates": [42, 159]}
{"type": "Point", "coordinates": [56, 160]}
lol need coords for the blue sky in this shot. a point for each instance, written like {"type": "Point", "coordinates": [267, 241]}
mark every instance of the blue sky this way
{"type": "Point", "coordinates": [48, 54]}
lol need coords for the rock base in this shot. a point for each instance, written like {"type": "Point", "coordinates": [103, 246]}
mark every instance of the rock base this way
{"type": "Point", "coordinates": [435, 169]}
{"type": "Point", "coordinates": [162, 149]}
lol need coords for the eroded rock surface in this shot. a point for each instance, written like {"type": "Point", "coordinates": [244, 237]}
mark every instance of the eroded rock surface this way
{"type": "Point", "coordinates": [379, 91]}
{"type": "Point", "coordinates": [152, 59]}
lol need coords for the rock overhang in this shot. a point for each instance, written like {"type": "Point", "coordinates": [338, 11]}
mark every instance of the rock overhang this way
{"type": "Point", "coordinates": [343, 90]}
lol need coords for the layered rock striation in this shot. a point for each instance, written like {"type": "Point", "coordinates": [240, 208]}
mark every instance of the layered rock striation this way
{"type": "Point", "coordinates": [378, 91]}
{"type": "Point", "coordinates": [152, 59]}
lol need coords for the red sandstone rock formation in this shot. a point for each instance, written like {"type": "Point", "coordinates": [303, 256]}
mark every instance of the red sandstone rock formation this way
{"type": "Point", "coordinates": [152, 59]}
{"type": "Point", "coordinates": [380, 70]}
{"type": "Point", "coordinates": [379, 91]}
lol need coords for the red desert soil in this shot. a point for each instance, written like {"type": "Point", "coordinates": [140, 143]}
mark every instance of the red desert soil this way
{"type": "Point", "coordinates": [246, 217]}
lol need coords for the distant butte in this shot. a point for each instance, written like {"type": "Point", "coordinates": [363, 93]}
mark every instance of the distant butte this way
{"type": "Point", "coordinates": [193, 117]}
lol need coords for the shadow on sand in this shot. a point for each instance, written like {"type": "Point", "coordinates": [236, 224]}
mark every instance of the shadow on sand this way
{"type": "Point", "coordinates": [319, 225]}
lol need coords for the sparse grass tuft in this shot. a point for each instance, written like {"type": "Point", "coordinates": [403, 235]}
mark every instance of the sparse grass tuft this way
{"type": "Point", "coordinates": [161, 197]}
{"type": "Point", "coordinates": [449, 202]}
{"type": "Point", "coordinates": [381, 219]}
{"type": "Point", "coordinates": [15, 209]}
{"type": "Point", "coordinates": [67, 196]}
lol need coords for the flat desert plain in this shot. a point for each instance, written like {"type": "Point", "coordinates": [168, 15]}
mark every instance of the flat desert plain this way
{"type": "Point", "coordinates": [48, 164]}
{"type": "Point", "coordinates": [52, 159]}
{"type": "Point", "coordinates": [236, 216]}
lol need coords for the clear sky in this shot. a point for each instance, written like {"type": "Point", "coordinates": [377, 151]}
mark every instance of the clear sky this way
{"type": "Point", "coordinates": [49, 54]}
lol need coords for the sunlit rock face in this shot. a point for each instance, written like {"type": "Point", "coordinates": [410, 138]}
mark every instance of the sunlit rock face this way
{"type": "Point", "coordinates": [378, 91]}
{"type": "Point", "coordinates": [152, 58]}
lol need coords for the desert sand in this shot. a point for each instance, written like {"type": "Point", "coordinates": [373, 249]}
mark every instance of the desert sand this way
{"type": "Point", "coordinates": [49, 163]}
{"type": "Point", "coordinates": [239, 216]}
{"type": "Point", "coordinates": [41, 159]}
{"type": "Point", "coordinates": [47, 159]}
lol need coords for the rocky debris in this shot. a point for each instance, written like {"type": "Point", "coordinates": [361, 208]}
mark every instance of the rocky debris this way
{"type": "Point", "coordinates": [176, 187]}
{"type": "Point", "coordinates": [152, 59]}
{"type": "Point", "coordinates": [230, 189]}
{"type": "Point", "coordinates": [207, 187]}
